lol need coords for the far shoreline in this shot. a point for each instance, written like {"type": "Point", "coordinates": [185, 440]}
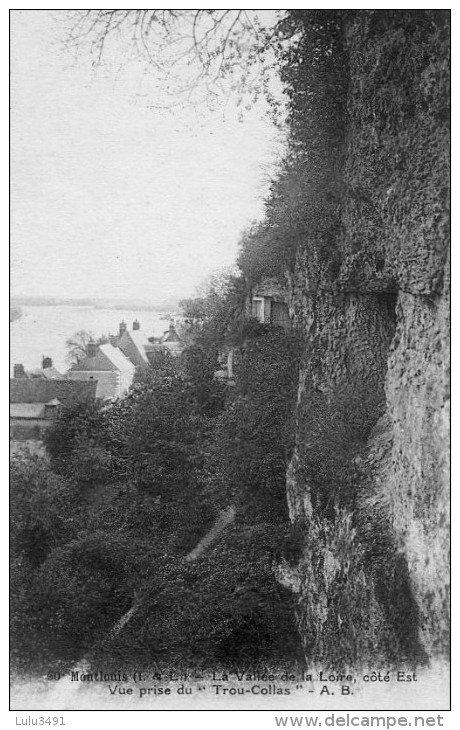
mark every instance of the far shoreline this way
{"type": "Point", "coordinates": [160, 308]}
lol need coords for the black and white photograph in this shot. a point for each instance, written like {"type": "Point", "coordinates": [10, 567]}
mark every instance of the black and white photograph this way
{"type": "Point", "coordinates": [229, 431]}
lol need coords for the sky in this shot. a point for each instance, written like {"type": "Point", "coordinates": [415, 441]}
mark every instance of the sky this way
{"type": "Point", "coordinates": [111, 197]}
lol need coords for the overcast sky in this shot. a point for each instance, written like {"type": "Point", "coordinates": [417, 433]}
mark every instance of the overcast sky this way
{"type": "Point", "coordinates": [112, 198]}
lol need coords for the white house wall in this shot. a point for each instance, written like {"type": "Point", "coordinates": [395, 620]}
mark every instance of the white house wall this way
{"type": "Point", "coordinates": [108, 381]}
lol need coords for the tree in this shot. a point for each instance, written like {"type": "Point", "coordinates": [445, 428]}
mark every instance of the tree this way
{"type": "Point", "coordinates": [42, 507]}
{"type": "Point", "coordinates": [196, 54]}
{"type": "Point", "coordinates": [215, 318]}
{"type": "Point", "coordinates": [77, 345]}
{"type": "Point", "coordinates": [43, 515]}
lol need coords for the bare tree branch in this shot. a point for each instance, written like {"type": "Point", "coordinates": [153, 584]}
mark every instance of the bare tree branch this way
{"type": "Point", "coordinates": [196, 54]}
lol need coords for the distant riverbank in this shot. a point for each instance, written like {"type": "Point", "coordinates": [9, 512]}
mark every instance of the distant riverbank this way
{"type": "Point", "coordinates": [166, 305]}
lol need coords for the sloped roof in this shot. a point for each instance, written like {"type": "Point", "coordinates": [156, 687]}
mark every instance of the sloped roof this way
{"type": "Point", "coordinates": [100, 361]}
{"type": "Point", "coordinates": [107, 358]}
{"type": "Point", "coordinates": [51, 373]}
{"type": "Point", "coordinates": [139, 339]}
{"type": "Point", "coordinates": [170, 335]}
{"type": "Point", "coordinates": [115, 355]}
{"type": "Point", "coordinates": [68, 392]}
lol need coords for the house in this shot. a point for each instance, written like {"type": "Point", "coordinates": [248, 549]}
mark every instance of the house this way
{"type": "Point", "coordinates": [35, 403]}
{"type": "Point", "coordinates": [139, 348]}
{"type": "Point", "coordinates": [106, 365]}
{"type": "Point", "coordinates": [171, 340]}
{"type": "Point", "coordinates": [268, 303]}
{"type": "Point", "coordinates": [46, 372]}
{"type": "Point", "coordinates": [30, 420]}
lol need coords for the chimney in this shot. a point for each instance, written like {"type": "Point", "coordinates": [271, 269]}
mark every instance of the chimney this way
{"type": "Point", "coordinates": [136, 325]}
{"type": "Point", "coordinates": [92, 348]}
{"type": "Point", "coordinates": [122, 328]}
{"type": "Point", "coordinates": [19, 371]}
{"type": "Point", "coordinates": [46, 363]}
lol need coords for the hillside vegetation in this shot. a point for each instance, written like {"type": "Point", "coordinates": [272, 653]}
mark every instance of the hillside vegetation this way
{"type": "Point", "coordinates": [331, 446]}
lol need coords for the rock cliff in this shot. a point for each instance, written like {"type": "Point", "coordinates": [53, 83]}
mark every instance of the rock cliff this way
{"type": "Point", "coordinates": [368, 480]}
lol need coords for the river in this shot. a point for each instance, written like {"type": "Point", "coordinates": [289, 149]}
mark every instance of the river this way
{"type": "Point", "coordinates": [43, 330]}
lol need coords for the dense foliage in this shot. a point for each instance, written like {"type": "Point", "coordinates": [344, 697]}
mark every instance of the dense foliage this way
{"type": "Point", "coordinates": [127, 491]}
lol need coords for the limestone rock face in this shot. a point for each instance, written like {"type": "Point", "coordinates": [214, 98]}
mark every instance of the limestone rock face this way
{"type": "Point", "coordinates": [417, 388]}
{"type": "Point", "coordinates": [372, 418]}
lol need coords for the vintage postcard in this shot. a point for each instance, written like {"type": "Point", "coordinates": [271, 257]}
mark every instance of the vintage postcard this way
{"type": "Point", "coordinates": [229, 363]}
